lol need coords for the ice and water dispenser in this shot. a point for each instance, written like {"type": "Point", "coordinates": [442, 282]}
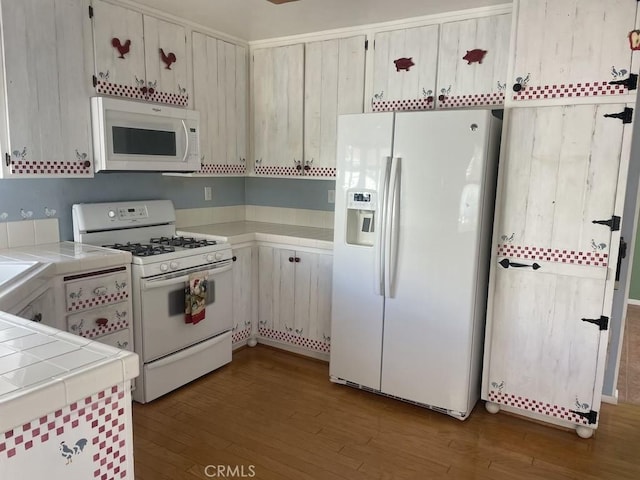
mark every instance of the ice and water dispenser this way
{"type": "Point", "coordinates": [361, 217]}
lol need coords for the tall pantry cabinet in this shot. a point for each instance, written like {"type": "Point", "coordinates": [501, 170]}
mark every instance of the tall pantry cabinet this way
{"type": "Point", "coordinates": [561, 190]}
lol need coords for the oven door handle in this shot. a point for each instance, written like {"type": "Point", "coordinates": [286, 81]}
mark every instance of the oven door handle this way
{"type": "Point", "coordinates": [151, 284]}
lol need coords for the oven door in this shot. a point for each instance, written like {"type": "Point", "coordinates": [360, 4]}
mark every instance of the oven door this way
{"type": "Point", "coordinates": [162, 320]}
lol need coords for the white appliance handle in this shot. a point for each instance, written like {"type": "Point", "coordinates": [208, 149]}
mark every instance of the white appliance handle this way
{"type": "Point", "coordinates": [380, 229]}
{"type": "Point", "coordinates": [158, 283]}
{"type": "Point", "coordinates": [186, 140]}
{"type": "Point", "coordinates": [391, 229]}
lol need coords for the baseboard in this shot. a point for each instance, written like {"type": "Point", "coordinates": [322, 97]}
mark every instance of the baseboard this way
{"type": "Point", "coordinates": [294, 349]}
{"type": "Point", "coordinates": [633, 301]}
{"type": "Point", "coordinates": [613, 400]}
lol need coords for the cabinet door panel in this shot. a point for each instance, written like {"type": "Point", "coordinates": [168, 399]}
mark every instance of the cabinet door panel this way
{"type": "Point", "coordinates": [560, 174]}
{"type": "Point", "coordinates": [165, 72]}
{"type": "Point", "coordinates": [543, 354]}
{"type": "Point", "coordinates": [242, 294]}
{"type": "Point", "coordinates": [334, 85]}
{"type": "Point", "coordinates": [472, 62]}
{"type": "Point", "coordinates": [205, 97]}
{"type": "Point", "coordinates": [278, 80]}
{"type": "Point", "coordinates": [404, 75]}
{"type": "Point", "coordinates": [47, 93]}
{"type": "Point", "coordinates": [121, 65]}
{"type": "Point", "coordinates": [588, 47]}
{"type": "Point", "coordinates": [276, 289]}
{"type": "Point", "coordinates": [313, 296]}
{"type": "Point", "coordinates": [241, 91]}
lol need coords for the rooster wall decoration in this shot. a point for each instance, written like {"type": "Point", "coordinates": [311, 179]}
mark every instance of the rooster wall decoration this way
{"type": "Point", "coordinates": [168, 59]}
{"type": "Point", "coordinates": [68, 452]}
{"type": "Point", "coordinates": [122, 49]}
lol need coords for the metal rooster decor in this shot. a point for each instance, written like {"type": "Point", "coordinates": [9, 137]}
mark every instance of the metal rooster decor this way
{"type": "Point", "coordinates": [122, 49]}
{"type": "Point", "coordinates": [404, 63]}
{"type": "Point", "coordinates": [475, 55]}
{"type": "Point", "coordinates": [168, 59]}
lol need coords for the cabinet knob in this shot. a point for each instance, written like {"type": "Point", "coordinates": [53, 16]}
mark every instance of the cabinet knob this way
{"type": "Point", "coordinates": [234, 258]}
{"type": "Point", "coordinates": [517, 87]}
{"type": "Point", "coordinates": [297, 259]}
{"type": "Point", "coordinates": [442, 98]}
{"type": "Point", "coordinates": [37, 317]}
{"type": "Point", "coordinates": [101, 322]}
{"type": "Point", "coordinates": [291, 259]}
{"type": "Point", "coordinates": [86, 164]}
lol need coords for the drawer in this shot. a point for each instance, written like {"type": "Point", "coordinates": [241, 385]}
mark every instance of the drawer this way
{"type": "Point", "coordinates": [89, 291]}
{"type": "Point", "coordinates": [121, 340]}
{"type": "Point", "coordinates": [100, 321]}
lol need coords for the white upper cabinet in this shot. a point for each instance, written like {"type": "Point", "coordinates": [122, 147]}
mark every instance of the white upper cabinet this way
{"type": "Point", "coordinates": [333, 85]}
{"type": "Point", "coordinates": [278, 83]}
{"type": "Point", "coordinates": [46, 89]}
{"type": "Point", "coordinates": [220, 95]}
{"type": "Point", "coordinates": [472, 62]}
{"type": "Point", "coordinates": [139, 57]}
{"type": "Point", "coordinates": [165, 57]}
{"type": "Point", "coordinates": [404, 69]}
{"type": "Point", "coordinates": [572, 48]}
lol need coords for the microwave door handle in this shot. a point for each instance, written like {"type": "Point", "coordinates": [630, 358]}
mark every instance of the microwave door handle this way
{"type": "Point", "coordinates": [186, 138]}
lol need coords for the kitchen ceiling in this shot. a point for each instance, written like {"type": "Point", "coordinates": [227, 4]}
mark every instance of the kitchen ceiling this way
{"type": "Point", "coordinates": [260, 19]}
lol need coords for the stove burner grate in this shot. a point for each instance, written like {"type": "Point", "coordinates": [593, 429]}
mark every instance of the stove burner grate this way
{"type": "Point", "coordinates": [142, 249]}
{"type": "Point", "coordinates": [185, 242]}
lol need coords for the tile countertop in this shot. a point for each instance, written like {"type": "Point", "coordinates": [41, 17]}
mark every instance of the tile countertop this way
{"type": "Point", "coordinates": [43, 369]}
{"type": "Point", "coordinates": [67, 257]}
{"type": "Point", "coordinates": [239, 232]}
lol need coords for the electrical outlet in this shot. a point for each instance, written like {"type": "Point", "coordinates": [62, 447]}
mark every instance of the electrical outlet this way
{"type": "Point", "coordinates": [208, 193]}
{"type": "Point", "coordinates": [331, 196]}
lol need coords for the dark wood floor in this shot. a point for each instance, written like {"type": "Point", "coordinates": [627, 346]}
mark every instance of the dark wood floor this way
{"type": "Point", "coordinates": [273, 415]}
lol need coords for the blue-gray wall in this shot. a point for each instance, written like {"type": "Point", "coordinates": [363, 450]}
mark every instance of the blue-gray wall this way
{"type": "Point", "coordinates": [36, 195]}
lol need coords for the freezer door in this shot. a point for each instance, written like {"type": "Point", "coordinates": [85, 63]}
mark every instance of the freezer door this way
{"type": "Point", "coordinates": [363, 157]}
{"type": "Point", "coordinates": [431, 311]}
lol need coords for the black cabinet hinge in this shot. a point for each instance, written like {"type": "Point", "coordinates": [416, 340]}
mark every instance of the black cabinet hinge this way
{"type": "Point", "coordinates": [94, 81]}
{"type": "Point", "coordinates": [631, 83]}
{"type": "Point", "coordinates": [7, 159]}
{"type": "Point", "coordinates": [90, 11]}
{"type": "Point", "coordinates": [622, 253]}
{"type": "Point", "coordinates": [591, 415]}
{"type": "Point", "coordinates": [602, 322]}
{"type": "Point", "coordinates": [366, 44]}
{"type": "Point", "coordinates": [626, 115]}
{"type": "Point", "coordinates": [613, 223]}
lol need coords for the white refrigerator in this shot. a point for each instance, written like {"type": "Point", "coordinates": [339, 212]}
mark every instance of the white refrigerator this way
{"type": "Point", "coordinates": [415, 196]}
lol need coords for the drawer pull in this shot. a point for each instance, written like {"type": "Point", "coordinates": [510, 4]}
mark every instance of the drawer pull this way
{"type": "Point", "coordinates": [37, 317]}
{"type": "Point", "coordinates": [99, 291]}
{"type": "Point", "coordinates": [101, 322]}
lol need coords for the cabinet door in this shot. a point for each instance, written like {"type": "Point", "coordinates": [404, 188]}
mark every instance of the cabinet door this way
{"type": "Point", "coordinates": [313, 299]}
{"type": "Point", "coordinates": [544, 350]}
{"type": "Point", "coordinates": [404, 69]}
{"type": "Point", "coordinates": [165, 56]}
{"type": "Point", "coordinates": [220, 82]}
{"type": "Point", "coordinates": [333, 85]}
{"type": "Point", "coordinates": [278, 104]}
{"type": "Point", "coordinates": [242, 294]}
{"type": "Point", "coordinates": [561, 174]}
{"type": "Point", "coordinates": [119, 51]}
{"type": "Point", "coordinates": [472, 62]}
{"type": "Point", "coordinates": [41, 309]}
{"type": "Point", "coordinates": [47, 89]}
{"type": "Point", "coordinates": [572, 48]}
{"type": "Point", "coordinates": [276, 280]}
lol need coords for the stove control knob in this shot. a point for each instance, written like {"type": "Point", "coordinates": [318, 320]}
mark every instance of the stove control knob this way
{"type": "Point", "coordinates": [174, 265]}
{"type": "Point", "coordinates": [219, 256]}
{"type": "Point", "coordinates": [164, 267]}
{"type": "Point", "coordinates": [209, 258]}
{"type": "Point", "coordinates": [111, 214]}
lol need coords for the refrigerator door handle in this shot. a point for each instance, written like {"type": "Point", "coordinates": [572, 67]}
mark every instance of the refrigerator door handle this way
{"type": "Point", "coordinates": [392, 228]}
{"type": "Point", "coordinates": [379, 249]}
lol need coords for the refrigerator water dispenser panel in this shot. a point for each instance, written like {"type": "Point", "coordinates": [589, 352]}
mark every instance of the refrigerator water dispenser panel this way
{"type": "Point", "coordinates": [361, 217]}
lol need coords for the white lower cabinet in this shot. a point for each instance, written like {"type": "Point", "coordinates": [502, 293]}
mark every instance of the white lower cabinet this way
{"type": "Point", "coordinates": [294, 298]}
{"type": "Point", "coordinates": [242, 293]}
{"type": "Point", "coordinates": [98, 306]}
{"type": "Point", "coordinates": [553, 261]}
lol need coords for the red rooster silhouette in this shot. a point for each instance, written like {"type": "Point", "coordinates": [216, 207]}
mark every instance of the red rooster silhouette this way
{"type": "Point", "coordinates": [122, 49]}
{"type": "Point", "coordinates": [168, 59]}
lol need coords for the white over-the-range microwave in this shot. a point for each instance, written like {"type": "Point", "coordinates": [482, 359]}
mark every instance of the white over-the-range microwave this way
{"type": "Point", "coordinates": [130, 135]}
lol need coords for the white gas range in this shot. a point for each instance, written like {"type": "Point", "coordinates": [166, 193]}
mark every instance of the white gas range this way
{"type": "Point", "coordinates": [172, 351]}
